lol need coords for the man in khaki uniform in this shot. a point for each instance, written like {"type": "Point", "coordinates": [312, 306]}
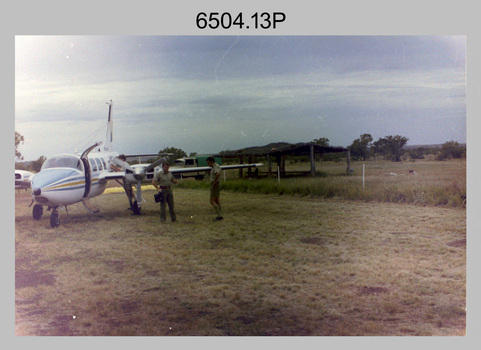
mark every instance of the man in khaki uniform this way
{"type": "Point", "coordinates": [163, 182]}
{"type": "Point", "coordinates": [127, 185]}
{"type": "Point", "coordinates": [215, 187]}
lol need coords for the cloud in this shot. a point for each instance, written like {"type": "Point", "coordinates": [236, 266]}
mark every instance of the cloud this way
{"type": "Point", "coordinates": [177, 91]}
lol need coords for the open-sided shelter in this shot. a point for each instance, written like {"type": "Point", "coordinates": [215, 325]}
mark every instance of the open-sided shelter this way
{"type": "Point", "coordinates": [279, 151]}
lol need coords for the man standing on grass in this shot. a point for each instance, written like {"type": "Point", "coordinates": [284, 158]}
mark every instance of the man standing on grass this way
{"type": "Point", "coordinates": [163, 182]}
{"type": "Point", "coordinates": [127, 185]}
{"type": "Point", "coordinates": [215, 187]}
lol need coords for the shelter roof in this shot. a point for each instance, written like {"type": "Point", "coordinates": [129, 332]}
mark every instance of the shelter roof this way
{"type": "Point", "coordinates": [281, 148]}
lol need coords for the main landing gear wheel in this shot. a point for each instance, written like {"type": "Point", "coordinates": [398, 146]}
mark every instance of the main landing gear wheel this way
{"type": "Point", "coordinates": [136, 209]}
{"type": "Point", "coordinates": [37, 211]}
{"type": "Point", "coordinates": [54, 220]}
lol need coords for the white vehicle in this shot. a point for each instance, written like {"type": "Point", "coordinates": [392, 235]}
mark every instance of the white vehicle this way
{"type": "Point", "coordinates": [22, 179]}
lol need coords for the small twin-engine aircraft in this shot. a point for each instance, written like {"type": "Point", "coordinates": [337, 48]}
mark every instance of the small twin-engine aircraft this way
{"type": "Point", "coordinates": [22, 179]}
{"type": "Point", "coordinates": [67, 179]}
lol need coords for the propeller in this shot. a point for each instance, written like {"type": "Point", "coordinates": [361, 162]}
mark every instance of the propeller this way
{"type": "Point", "coordinates": [139, 175]}
{"type": "Point", "coordinates": [159, 161]}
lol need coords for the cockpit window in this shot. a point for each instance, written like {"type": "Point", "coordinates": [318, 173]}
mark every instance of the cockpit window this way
{"type": "Point", "coordinates": [99, 164]}
{"type": "Point", "coordinates": [63, 162]}
{"type": "Point", "coordinates": [93, 165]}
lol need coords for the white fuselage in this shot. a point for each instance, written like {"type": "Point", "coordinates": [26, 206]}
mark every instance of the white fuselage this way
{"type": "Point", "coordinates": [67, 179]}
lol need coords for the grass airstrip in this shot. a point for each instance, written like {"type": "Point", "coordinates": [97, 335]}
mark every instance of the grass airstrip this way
{"type": "Point", "coordinates": [284, 265]}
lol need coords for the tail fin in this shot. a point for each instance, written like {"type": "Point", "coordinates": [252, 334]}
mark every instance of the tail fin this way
{"type": "Point", "coordinates": [110, 130]}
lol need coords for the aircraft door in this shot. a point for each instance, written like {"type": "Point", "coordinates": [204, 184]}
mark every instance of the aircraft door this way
{"type": "Point", "coordinates": [88, 176]}
{"type": "Point", "coordinates": [88, 170]}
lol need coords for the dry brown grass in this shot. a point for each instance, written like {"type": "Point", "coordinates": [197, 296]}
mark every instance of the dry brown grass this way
{"type": "Point", "coordinates": [277, 265]}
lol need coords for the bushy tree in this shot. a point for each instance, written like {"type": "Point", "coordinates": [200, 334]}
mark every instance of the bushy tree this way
{"type": "Point", "coordinates": [451, 149]}
{"type": "Point", "coordinates": [390, 146]}
{"type": "Point", "coordinates": [379, 147]}
{"type": "Point", "coordinates": [417, 153]}
{"type": "Point", "coordinates": [36, 165]}
{"type": "Point", "coordinates": [323, 141]}
{"type": "Point", "coordinates": [360, 147]}
{"type": "Point", "coordinates": [176, 153]}
{"type": "Point", "coordinates": [18, 140]}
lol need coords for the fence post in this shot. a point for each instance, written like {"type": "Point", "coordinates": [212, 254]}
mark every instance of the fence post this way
{"type": "Point", "coordinates": [363, 176]}
{"type": "Point", "coordinates": [348, 169]}
{"type": "Point", "coordinates": [312, 157]}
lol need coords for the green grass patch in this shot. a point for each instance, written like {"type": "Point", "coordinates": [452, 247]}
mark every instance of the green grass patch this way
{"type": "Point", "coordinates": [423, 183]}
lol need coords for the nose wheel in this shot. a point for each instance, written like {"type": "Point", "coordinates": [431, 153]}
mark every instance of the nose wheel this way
{"type": "Point", "coordinates": [54, 218]}
{"type": "Point", "coordinates": [37, 211]}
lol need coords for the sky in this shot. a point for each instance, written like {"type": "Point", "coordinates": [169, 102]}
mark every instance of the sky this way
{"type": "Point", "coordinates": [212, 93]}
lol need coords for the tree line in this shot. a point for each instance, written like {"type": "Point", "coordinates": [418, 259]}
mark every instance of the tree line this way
{"type": "Point", "coordinates": [389, 148]}
{"type": "Point", "coordinates": [392, 148]}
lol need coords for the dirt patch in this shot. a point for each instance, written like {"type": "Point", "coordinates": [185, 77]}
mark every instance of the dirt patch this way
{"type": "Point", "coordinates": [62, 326]}
{"type": "Point", "coordinates": [216, 243]}
{"type": "Point", "coordinates": [129, 306]}
{"type": "Point", "coordinates": [457, 243]}
{"type": "Point", "coordinates": [312, 240]}
{"type": "Point", "coordinates": [30, 278]}
{"type": "Point", "coordinates": [152, 273]}
{"type": "Point", "coordinates": [372, 290]}
{"type": "Point", "coordinates": [117, 265]}
{"type": "Point", "coordinates": [25, 262]}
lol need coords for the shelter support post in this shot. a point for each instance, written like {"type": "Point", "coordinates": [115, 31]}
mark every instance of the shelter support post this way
{"type": "Point", "coordinates": [348, 169]}
{"type": "Point", "coordinates": [312, 156]}
{"type": "Point", "coordinates": [279, 165]}
{"type": "Point", "coordinates": [269, 162]}
{"type": "Point", "coordinates": [241, 161]}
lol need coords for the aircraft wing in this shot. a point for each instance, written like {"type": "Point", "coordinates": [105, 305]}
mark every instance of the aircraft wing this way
{"type": "Point", "coordinates": [140, 158]}
{"type": "Point", "coordinates": [175, 170]}
{"type": "Point", "coordinates": [116, 175]}
{"type": "Point", "coordinates": [237, 166]}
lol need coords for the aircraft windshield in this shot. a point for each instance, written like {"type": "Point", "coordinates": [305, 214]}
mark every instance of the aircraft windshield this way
{"type": "Point", "coordinates": [63, 162]}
